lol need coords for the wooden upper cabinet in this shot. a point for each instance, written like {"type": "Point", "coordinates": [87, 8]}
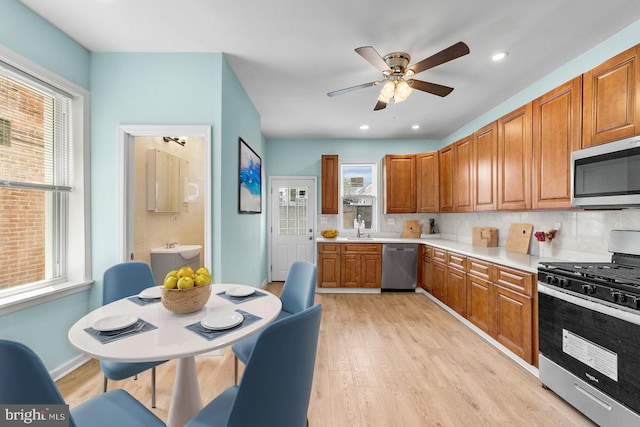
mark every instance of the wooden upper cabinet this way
{"type": "Point", "coordinates": [514, 160]}
{"type": "Point", "coordinates": [330, 173]}
{"type": "Point", "coordinates": [427, 185]}
{"type": "Point", "coordinates": [611, 95]}
{"type": "Point", "coordinates": [557, 124]}
{"type": "Point", "coordinates": [485, 157]}
{"type": "Point", "coordinates": [399, 179]}
{"type": "Point", "coordinates": [463, 175]}
{"type": "Point", "coordinates": [445, 162]}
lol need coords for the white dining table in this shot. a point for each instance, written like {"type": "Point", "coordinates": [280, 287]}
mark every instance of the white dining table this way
{"type": "Point", "coordinates": [172, 340]}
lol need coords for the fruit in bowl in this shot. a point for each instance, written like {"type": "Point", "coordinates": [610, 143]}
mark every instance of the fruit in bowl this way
{"type": "Point", "coordinates": [186, 291]}
{"type": "Point", "coordinates": [329, 233]}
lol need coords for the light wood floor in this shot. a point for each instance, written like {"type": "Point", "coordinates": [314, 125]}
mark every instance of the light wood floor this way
{"type": "Point", "coordinates": [391, 359]}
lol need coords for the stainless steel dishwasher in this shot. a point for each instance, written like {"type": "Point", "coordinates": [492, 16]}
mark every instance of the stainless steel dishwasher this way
{"type": "Point", "coordinates": [399, 266]}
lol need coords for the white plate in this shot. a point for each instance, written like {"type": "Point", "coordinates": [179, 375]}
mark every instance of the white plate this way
{"type": "Point", "coordinates": [151, 293]}
{"type": "Point", "coordinates": [240, 291]}
{"type": "Point", "coordinates": [220, 320]}
{"type": "Point", "coordinates": [114, 322]}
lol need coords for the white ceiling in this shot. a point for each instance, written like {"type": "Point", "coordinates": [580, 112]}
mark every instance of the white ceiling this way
{"type": "Point", "coordinates": [289, 53]}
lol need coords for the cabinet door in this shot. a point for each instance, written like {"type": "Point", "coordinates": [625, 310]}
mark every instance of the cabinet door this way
{"type": "Point", "coordinates": [329, 270]}
{"type": "Point", "coordinates": [513, 322]}
{"type": "Point", "coordinates": [479, 303]}
{"type": "Point", "coordinates": [445, 162]}
{"type": "Point", "coordinates": [514, 160]}
{"type": "Point", "coordinates": [350, 268]}
{"type": "Point", "coordinates": [557, 122]}
{"type": "Point", "coordinates": [611, 96]}
{"type": "Point", "coordinates": [329, 189]}
{"type": "Point", "coordinates": [439, 286]}
{"type": "Point", "coordinates": [457, 290]}
{"type": "Point", "coordinates": [371, 275]}
{"type": "Point", "coordinates": [485, 158]}
{"type": "Point", "coordinates": [463, 175]}
{"type": "Point", "coordinates": [427, 184]}
{"type": "Point", "coordinates": [425, 268]}
{"type": "Point", "coordinates": [399, 179]}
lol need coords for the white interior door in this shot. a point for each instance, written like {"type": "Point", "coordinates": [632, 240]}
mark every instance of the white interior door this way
{"type": "Point", "coordinates": [292, 213]}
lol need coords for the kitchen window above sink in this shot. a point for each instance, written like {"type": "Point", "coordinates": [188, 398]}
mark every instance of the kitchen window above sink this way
{"type": "Point", "coordinates": [359, 196]}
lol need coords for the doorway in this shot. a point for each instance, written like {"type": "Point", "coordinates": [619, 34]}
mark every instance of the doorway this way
{"type": "Point", "coordinates": [188, 222]}
{"type": "Point", "coordinates": [292, 211]}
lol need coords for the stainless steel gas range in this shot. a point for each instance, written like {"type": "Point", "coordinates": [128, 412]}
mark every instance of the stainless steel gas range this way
{"type": "Point", "coordinates": [589, 332]}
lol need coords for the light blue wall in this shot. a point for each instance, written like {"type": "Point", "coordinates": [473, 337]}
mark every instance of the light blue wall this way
{"type": "Point", "coordinates": [44, 328]}
{"type": "Point", "coordinates": [301, 157]}
{"type": "Point", "coordinates": [244, 253]}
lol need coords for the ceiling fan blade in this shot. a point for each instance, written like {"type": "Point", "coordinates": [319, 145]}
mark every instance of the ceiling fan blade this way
{"type": "Point", "coordinates": [380, 106]}
{"type": "Point", "coordinates": [449, 54]}
{"type": "Point", "coordinates": [352, 88]}
{"type": "Point", "coordinates": [372, 57]}
{"type": "Point", "coordinates": [433, 88]}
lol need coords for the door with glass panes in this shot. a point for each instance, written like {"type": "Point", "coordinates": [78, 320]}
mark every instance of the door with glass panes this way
{"type": "Point", "coordinates": [292, 213]}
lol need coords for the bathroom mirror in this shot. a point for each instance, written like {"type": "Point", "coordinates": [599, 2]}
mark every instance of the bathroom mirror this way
{"type": "Point", "coordinates": [165, 182]}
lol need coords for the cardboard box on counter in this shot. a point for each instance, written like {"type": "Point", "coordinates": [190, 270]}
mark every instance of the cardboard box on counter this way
{"type": "Point", "coordinates": [485, 236]}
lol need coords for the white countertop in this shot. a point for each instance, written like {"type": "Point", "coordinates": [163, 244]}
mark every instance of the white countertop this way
{"type": "Point", "coordinates": [497, 255]}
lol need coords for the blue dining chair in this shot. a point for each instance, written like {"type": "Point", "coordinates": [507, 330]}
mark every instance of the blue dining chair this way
{"type": "Point", "coordinates": [120, 281]}
{"type": "Point", "coordinates": [275, 388]}
{"type": "Point", "coordinates": [24, 380]}
{"type": "Point", "coordinates": [297, 294]}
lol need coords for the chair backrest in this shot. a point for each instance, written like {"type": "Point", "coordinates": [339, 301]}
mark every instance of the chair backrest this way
{"type": "Point", "coordinates": [24, 380]}
{"type": "Point", "coordinates": [125, 279]}
{"type": "Point", "coordinates": [276, 384]}
{"type": "Point", "coordinates": [299, 289]}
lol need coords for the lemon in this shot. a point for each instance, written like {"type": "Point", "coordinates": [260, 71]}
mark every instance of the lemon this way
{"type": "Point", "coordinates": [172, 273]}
{"type": "Point", "coordinates": [185, 282]}
{"type": "Point", "coordinates": [185, 271]}
{"type": "Point", "coordinates": [202, 279]}
{"type": "Point", "coordinates": [203, 270]}
{"type": "Point", "coordinates": [170, 282]}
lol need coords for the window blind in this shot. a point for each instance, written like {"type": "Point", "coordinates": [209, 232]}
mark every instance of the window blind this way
{"type": "Point", "coordinates": [37, 118]}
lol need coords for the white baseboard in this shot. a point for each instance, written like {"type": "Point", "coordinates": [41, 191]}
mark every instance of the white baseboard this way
{"type": "Point", "coordinates": [68, 367]}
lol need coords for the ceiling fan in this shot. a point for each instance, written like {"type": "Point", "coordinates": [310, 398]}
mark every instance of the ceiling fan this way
{"type": "Point", "coordinates": [397, 82]}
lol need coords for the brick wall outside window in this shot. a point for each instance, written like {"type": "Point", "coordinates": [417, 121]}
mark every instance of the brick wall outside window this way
{"type": "Point", "coordinates": [22, 212]}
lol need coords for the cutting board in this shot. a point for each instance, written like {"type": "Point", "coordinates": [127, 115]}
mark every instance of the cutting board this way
{"type": "Point", "coordinates": [519, 237]}
{"type": "Point", "coordinates": [411, 229]}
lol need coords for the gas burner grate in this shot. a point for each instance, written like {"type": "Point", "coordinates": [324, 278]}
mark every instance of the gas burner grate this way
{"type": "Point", "coordinates": [610, 272]}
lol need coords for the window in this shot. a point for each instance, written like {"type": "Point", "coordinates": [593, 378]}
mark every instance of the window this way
{"type": "Point", "coordinates": [358, 195]}
{"type": "Point", "coordinates": [43, 200]}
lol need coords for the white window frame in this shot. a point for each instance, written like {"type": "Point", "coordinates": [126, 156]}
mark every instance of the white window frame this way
{"type": "Point", "coordinates": [76, 263]}
{"type": "Point", "coordinates": [375, 216]}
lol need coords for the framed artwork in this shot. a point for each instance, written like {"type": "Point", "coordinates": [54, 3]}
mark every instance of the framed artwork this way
{"type": "Point", "coordinates": [250, 184]}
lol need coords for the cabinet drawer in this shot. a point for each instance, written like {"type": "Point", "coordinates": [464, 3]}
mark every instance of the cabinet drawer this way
{"type": "Point", "coordinates": [456, 261]}
{"type": "Point", "coordinates": [519, 281]}
{"type": "Point", "coordinates": [362, 248]}
{"type": "Point", "coordinates": [481, 269]}
{"type": "Point", "coordinates": [440, 255]}
{"type": "Point", "coordinates": [329, 248]}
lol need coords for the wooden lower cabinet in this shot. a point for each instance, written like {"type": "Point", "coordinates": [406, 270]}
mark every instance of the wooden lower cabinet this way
{"type": "Point", "coordinates": [513, 321]}
{"type": "Point", "coordinates": [328, 265]}
{"type": "Point", "coordinates": [439, 288]}
{"type": "Point", "coordinates": [479, 303]}
{"type": "Point", "coordinates": [425, 268]}
{"type": "Point", "coordinates": [349, 265]}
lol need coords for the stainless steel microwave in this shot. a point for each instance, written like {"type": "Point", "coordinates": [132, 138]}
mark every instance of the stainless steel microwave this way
{"type": "Point", "coordinates": [607, 175]}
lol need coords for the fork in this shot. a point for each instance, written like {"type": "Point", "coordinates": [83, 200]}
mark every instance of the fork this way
{"type": "Point", "coordinates": [138, 327]}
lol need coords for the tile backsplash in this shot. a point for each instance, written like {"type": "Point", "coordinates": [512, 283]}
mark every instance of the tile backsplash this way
{"type": "Point", "coordinates": [582, 233]}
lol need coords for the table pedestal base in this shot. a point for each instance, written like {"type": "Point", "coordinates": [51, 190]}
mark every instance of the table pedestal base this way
{"type": "Point", "coordinates": [186, 400]}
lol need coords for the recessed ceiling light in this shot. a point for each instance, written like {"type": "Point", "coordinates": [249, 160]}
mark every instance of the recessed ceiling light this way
{"type": "Point", "coordinates": [364, 127]}
{"type": "Point", "coordinates": [499, 56]}
{"type": "Point", "coordinates": [415, 127]}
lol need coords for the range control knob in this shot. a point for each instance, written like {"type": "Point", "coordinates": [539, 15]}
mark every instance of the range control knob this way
{"type": "Point", "coordinates": [588, 289]}
{"type": "Point", "coordinates": [635, 302]}
{"type": "Point", "coordinates": [563, 283]}
{"type": "Point", "coordinates": [618, 296]}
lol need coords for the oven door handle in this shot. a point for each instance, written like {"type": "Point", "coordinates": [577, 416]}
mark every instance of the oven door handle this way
{"type": "Point", "coordinates": [617, 312]}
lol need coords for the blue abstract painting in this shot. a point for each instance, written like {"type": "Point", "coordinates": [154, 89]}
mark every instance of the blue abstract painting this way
{"type": "Point", "coordinates": [250, 197]}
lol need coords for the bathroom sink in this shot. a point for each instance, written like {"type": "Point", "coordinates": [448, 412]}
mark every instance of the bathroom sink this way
{"type": "Point", "coordinates": [185, 251]}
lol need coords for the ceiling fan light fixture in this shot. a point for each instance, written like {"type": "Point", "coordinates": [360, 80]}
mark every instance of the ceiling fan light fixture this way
{"type": "Point", "coordinates": [403, 90]}
{"type": "Point", "coordinates": [388, 90]}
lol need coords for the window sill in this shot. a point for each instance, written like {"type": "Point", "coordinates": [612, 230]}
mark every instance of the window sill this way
{"type": "Point", "coordinates": [12, 303]}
